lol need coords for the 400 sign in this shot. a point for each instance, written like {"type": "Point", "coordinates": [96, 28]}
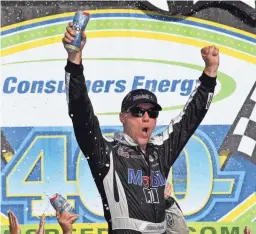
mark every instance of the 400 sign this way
{"type": "Point", "coordinates": [48, 160]}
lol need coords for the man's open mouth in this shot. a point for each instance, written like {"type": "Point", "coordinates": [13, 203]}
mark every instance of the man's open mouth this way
{"type": "Point", "coordinates": [145, 130]}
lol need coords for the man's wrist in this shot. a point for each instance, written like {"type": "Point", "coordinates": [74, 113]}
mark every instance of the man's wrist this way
{"type": "Point", "coordinates": [211, 72]}
{"type": "Point", "coordinates": [75, 57]}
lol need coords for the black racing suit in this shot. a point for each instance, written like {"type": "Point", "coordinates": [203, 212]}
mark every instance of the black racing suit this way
{"type": "Point", "coordinates": [131, 183]}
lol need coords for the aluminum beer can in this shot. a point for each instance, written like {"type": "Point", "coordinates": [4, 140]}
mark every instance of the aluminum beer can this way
{"type": "Point", "coordinates": [59, 202]}
{"type": "Point", "coordinates": [80, 22]}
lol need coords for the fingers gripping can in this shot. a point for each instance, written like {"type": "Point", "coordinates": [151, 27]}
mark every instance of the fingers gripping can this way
{"type": "Point", "coordinates": [59, 202]}
{"type": "Point", "coordinates": [80, 22]}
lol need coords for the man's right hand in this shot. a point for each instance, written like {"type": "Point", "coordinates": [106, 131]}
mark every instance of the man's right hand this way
{"type": "Point", "coordinates": [66, 220]}
{"type": "Point", "coordinates": [68, 38]}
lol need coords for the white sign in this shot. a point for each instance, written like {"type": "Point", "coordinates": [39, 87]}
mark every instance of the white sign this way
{"type": "Point", "coordinates": [33, 88]}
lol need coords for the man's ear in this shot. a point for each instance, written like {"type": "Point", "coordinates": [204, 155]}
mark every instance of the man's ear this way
{"type": "Point", "coordinates": [121, 117]}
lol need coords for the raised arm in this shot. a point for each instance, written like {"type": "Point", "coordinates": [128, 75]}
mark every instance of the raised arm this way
{"type": "Point", "coordinates": [181, 128]}
{"type": "Point", "coordinates": [85, 123]}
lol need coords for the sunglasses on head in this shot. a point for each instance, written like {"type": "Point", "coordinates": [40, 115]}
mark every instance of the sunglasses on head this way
{"type": "Point", "coordinates": [139, 112]}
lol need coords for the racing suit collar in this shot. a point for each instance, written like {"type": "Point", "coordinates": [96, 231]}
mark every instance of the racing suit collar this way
{"type": "Point", "coordinates": [125, 139]}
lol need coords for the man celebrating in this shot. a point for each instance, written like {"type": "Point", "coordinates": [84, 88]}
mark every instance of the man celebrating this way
{"type": "Point", "coordinates": [130, 170]}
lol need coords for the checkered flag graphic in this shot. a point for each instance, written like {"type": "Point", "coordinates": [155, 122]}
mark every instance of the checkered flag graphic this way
{"type": "Point", "coordinates": [241, 137]}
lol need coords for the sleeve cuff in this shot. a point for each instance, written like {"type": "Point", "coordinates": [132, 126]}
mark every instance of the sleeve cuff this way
{"type": "Point", "coordinates": [208, 81]}
{"type": "Point", "coordinates": [74, 69]}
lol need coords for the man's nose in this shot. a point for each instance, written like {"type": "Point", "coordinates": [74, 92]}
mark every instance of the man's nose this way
{"type": "Point", "coordinates": [145, 117]}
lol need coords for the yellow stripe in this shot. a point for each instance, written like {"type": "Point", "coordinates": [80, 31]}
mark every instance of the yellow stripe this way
{"type": "Point", "coordinates": [31, 45]}
{"type": "Point", "coordinates": [220, 26]}
{"type": "Point", "coordinates": [27, 22]}
{"type": "Point", "coordinates": [4, 219]}
{"type": "Point", "coordinates": [63, 15]}
{"type": "Point", "coordinates": [138, 34]}
{"type": "Point", "coordinates": [236, 212]}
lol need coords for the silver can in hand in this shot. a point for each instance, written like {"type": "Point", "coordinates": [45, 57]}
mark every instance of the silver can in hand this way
{"type": "Point", "coordinates": [80, 22]}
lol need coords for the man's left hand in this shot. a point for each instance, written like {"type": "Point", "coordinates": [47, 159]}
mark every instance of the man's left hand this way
{"type": "Point", "coordinates": [210, 55]}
